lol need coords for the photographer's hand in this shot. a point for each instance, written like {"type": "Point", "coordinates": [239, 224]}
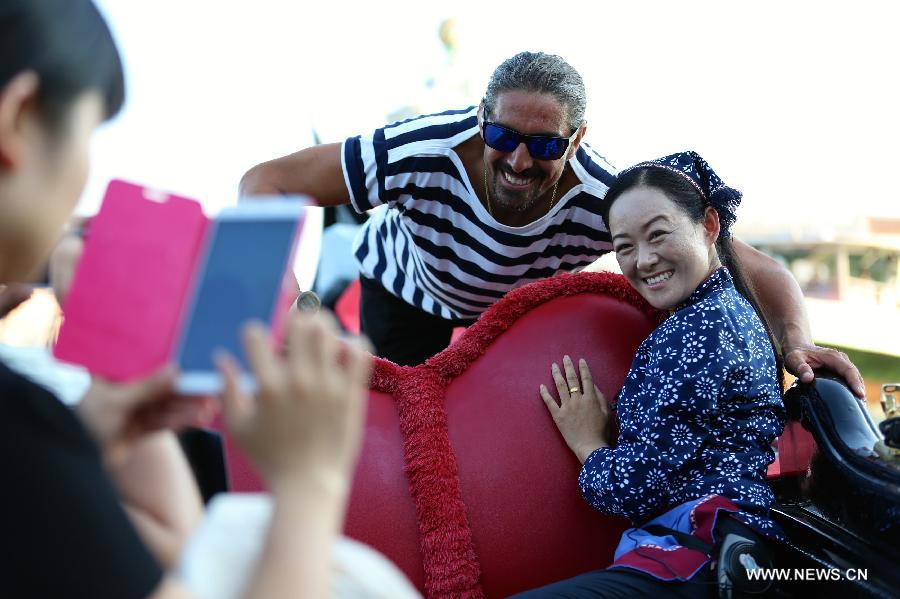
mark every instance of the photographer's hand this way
{"type": "Point", "coordinates": [119, 415]}
{"type": "Point", "coordinates": [302, 430]}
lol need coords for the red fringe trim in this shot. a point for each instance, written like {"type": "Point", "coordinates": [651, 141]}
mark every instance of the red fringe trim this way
{"type": "Point", "coordinates": [448, 554]}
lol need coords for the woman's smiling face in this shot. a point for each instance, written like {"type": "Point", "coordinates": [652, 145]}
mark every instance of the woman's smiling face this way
{"type": "Point", "coordinates": [662, 252]}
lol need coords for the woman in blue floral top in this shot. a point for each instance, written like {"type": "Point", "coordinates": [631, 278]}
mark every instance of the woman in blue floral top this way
{"type": "Point", "coordinates": [701, 404]}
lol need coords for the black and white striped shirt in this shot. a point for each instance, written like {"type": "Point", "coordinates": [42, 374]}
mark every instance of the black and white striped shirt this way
{"type": "Point", "coordinates": [433, 243]}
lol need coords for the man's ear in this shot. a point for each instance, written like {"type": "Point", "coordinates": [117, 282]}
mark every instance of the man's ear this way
{"type": "Point", "coordinates": [711, 225]}
{"type": "Point", "coordinates": [15, 99]}
{"type": "Point", "coordinates": [479, 116]}
{"type": "Point", "coordinates": [576, 141]}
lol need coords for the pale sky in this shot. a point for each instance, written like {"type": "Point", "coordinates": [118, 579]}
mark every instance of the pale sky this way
{"type": "Point", "coordinates": [794, 103]}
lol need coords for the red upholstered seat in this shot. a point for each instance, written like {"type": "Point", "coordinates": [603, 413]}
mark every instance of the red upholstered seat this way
{"type": "Point", "coordinates": [464, 480]}
{"type": "Point", "coordinates": [490, 501]}
{"type": "Point", "coordinates": [347, 307]}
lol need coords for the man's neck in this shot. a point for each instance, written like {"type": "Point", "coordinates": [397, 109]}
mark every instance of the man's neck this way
{"type": "Point", "coordinates": [516, 218]}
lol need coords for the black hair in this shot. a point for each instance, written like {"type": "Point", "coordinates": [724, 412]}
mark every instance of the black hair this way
{"type": "Point", "coordinates": [68, 45]}
{"type": "Point", "coordinates": [688, 199]}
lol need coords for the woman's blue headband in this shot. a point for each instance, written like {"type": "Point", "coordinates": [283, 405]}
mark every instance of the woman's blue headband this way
{"type": "Point", "coordinates": [697, 171]}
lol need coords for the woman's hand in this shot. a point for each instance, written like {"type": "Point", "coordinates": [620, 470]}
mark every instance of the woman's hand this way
{"type": "Point", "coordinates": [119, 415]}
{"type": "Point", "coordinates": [304, 425]}
{"type": "Point", "coordinates": [582, 415]}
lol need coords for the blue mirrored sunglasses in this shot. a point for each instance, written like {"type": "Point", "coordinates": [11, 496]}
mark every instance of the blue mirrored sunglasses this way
{"type": "Point", "coordinates": [541, 147]}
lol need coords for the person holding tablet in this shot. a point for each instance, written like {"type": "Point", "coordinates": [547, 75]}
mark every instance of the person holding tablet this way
{"type": "Point", "coordinates": [65, 531]}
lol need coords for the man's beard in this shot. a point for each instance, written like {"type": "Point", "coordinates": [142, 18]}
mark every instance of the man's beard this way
{"type": "Point", "coordinates": [512, 201]}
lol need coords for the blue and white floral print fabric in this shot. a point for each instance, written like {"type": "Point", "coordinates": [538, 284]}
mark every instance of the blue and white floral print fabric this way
{"type": "Point", "coordinates": [698, 413]}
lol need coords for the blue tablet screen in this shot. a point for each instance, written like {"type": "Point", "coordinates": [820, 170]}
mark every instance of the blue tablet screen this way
{"type": "Point", "coordinates": [241, 281]}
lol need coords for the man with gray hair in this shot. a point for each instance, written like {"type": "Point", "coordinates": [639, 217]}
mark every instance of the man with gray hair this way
{"type": "Point", "coordinates": [472, 203]}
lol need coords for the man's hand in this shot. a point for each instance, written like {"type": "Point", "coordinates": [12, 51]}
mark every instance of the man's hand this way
{"type": "Point", "coordinates": [781, 300]}
{"type": "Point", "coordinates": [801, 360]}
{"type": "Point", "coordinates": [119, 415]}
{"type": "Point", "coordinates": [582, 415]}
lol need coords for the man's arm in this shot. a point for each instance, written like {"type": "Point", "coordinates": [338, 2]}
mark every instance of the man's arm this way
{"type": "Point", "coordinates": [781, 300]}
{"type": "Point", "coordinates": [315, 171]}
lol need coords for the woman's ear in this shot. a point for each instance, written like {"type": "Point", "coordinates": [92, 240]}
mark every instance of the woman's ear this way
{"type": "Point", "coordinates": [16, 97]}
{"type": "Point", "coordinates": [711, 226]}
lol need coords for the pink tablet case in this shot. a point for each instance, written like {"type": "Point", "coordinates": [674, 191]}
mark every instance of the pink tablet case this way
{"type": "Point", "coordinates": [123, 310]}
{"type": "Point", "coordinates": [130, 293]}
